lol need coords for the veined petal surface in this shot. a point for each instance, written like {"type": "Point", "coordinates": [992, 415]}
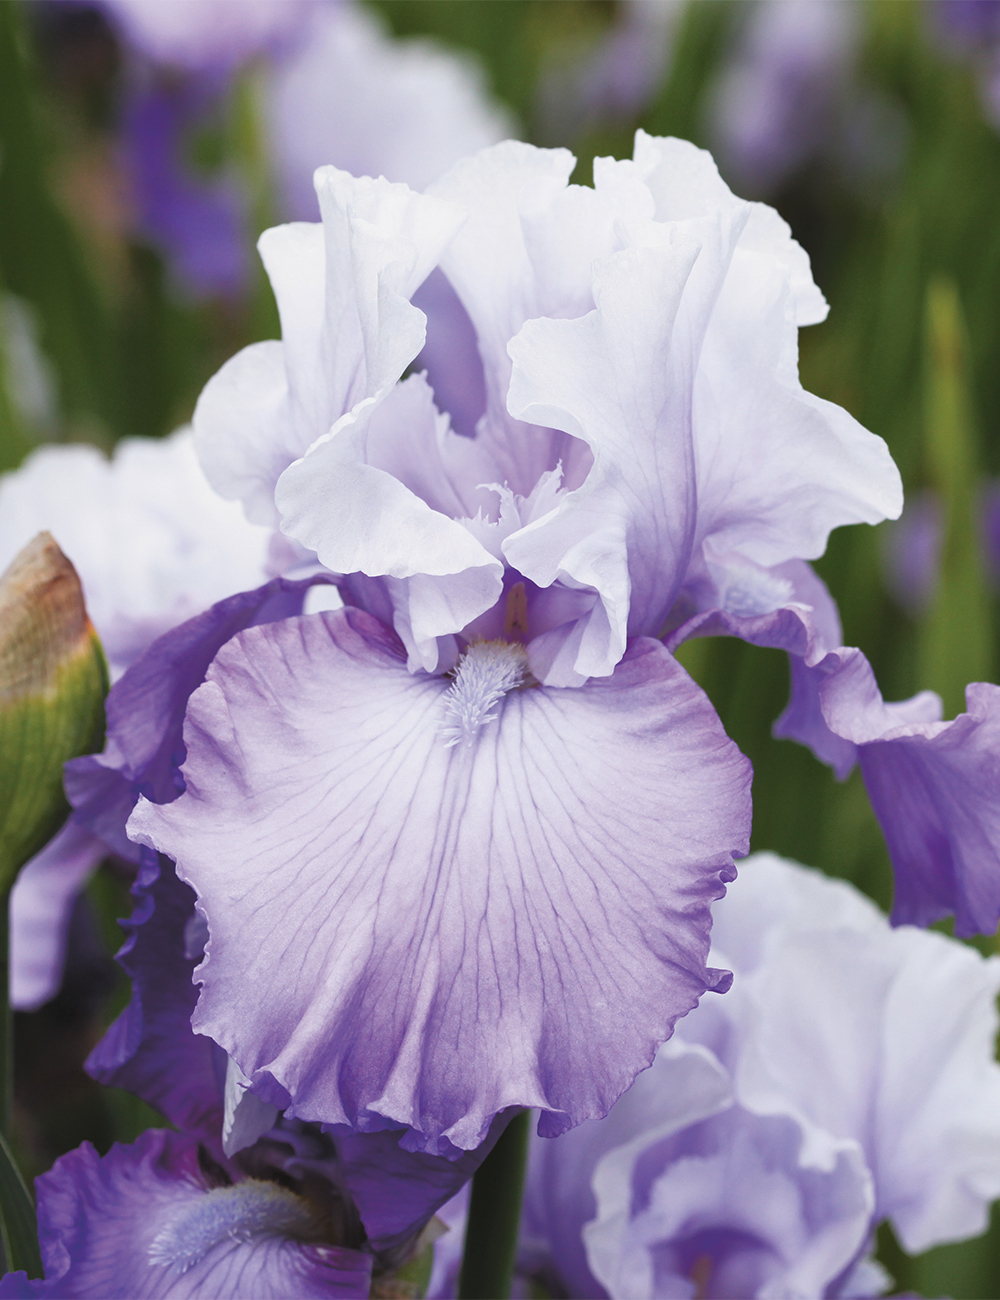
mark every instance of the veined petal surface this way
{"type": "Point", "coordinates": [516, 921]}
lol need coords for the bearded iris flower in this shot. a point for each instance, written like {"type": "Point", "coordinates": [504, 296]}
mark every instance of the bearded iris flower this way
{"type": "Point", "coordinates": [456, 843]}
{"type": "Point", "coordinates": [848, 1078]}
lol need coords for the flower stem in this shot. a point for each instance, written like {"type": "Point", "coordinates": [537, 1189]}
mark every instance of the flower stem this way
{"type": "Point", "coordinates": [495, 1216]}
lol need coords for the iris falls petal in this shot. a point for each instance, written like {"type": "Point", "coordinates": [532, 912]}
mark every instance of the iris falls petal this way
{"type": "Point", "coordinates": [517, 920]}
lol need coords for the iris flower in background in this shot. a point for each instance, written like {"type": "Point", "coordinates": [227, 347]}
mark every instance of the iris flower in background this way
{"type": "Point", "coordinates": [847, 1078]}
{"type": "Point", "coordinates": [333, 87]}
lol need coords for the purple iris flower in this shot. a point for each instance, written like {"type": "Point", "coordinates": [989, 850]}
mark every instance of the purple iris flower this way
{"type": "Point", "coordinates": [159, 1219]}
{"type": "Point", "coordinates": [199, 221]}
{"type": "Point", "coordinates": [778, 101]}
{"type": "Point", "coordinates": [477, 817]}
{"type": "Point", "coordinates": [334, 87]}
{"type": "Point", "coordinates": [848, 1078]}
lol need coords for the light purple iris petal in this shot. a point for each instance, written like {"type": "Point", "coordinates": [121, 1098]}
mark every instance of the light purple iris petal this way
{"type": "Point", "coordinates": [533, 906]}
{"type": "Point", "coordinates": [348, 333]}
{"type": "Point", "coordinates": [934, 788]}
{"type": "Point", "coordinates": [525, 250]}
{"type": "Point", "coordinates": [778, 468]}
{"type": "Point", "coordinates": [98, 1220]}
{"type": "Point", "coordinates": [685, 183]}
{"type": "Point", "coordinates": [40, 906]}
{"type": "Point", "coordinates": [623, 384]}
{"type": "Point", "coordinates": [684, 1086]}
{"type": "Point", "coordinates": [933, 784]}
{"type": "Point", "coordinates": [150, 1049]}
{"type": "Point", "coordinates": [145, 713]}
{"type": "Point", "coordinates": [450, 355]}
{"type": "Point", "coordinates": [197, 222]}
{"type": "Point", "coordinates": [882, 1036]}
{"type": "Point", "coordinates": [732, 1203]}
{"type": "Point", "coordinates": [382, 490]}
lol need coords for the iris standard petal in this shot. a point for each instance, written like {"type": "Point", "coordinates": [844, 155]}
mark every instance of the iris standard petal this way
{"type": "Point", "coordinates": [514, 921]}
{"type": "Point", "coordinates": [619, 378]}
{"type": "Point", "coordinates": [348, 331]}
{"type": "Point", "coordinates": [881, 1036]}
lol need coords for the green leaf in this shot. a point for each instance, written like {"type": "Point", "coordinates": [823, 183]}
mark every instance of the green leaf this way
{"type": "Point", "coordinates": [53, 680]}
{"type": "Point", "coordinates": [955, 639]}
{"type": "Point", "coordinates": [18, 1225]}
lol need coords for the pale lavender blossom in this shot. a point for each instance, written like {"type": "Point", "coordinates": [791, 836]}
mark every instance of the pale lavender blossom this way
{"type": "Point", "coordinates": [152, 542]}
{"type": "Point", "coordinates": [847, 1078]}
{"type": "Point", "coordinates": [205, 35]}
{"type": "Point", "coordinates": [158, 1219]}
{"type": "Point", "coordinates": [455, 852]}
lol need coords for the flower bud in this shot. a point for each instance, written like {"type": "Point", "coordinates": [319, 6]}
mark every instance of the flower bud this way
{"type": "Point", "coordinates": [53, 680]}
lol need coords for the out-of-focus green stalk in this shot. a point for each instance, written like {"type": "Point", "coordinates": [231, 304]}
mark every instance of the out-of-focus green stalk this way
{"type": "Point", "coordinates": [955, 642]}
{"type": "Point", "coordinates": [14, 441]}
{"type": "Point", "coordinates": [494, 1222]}
{"type": "Point", "coordinates": [251, 152]}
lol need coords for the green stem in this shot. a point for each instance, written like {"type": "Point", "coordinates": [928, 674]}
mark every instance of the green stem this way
{"type": "Point", "coordinates": [495, 1216]}
{"type": "Point", "coordinates": [6, 1021]}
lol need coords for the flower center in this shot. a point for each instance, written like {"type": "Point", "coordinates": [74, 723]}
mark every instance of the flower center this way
{"type": "Point", "coordinates": [485, 673]}
{"type": "Point", "coordinates": [248, 1209]}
